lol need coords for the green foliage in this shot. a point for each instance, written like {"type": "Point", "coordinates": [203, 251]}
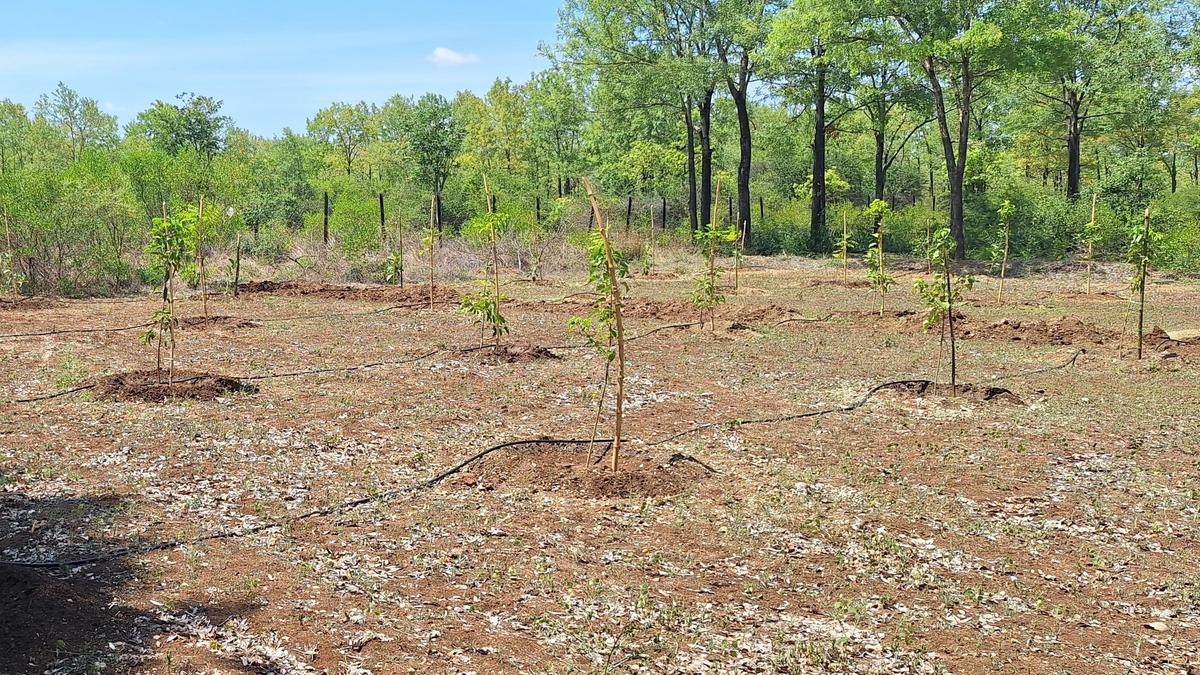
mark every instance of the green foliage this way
{"type": "Point", "coordinates": [933, 293]}
{"type": "Point", "coordinates": [598, 328]}
{"type": "Point", "coordinates": [484, 308]}
{"type": "Point", "coordinates": [171, 249]}
{"type": "Point", "coordinates": [393, 268]}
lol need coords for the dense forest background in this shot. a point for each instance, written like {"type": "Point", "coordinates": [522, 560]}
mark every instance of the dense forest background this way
{"type": "Point", "coordinates": [789, 120]}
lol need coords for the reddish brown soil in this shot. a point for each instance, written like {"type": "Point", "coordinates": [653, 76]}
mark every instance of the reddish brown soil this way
{"type": "Point", "coordinates": [839, 283]}
{"type": "Point", "coordinates": [1067, 330]}
{"type": "Point", "coordinates": [395, 294]}
{"type": "Point", "coordinates": [566, 471]}
{"type": "Point", "coordinates": [151, 385]}
{"type": "Point", "coordinates": [214, 322]}
{"type": "Point", "coordinates": [1158, 341]}
{"type": "Point", "coordinates": [21, 302]}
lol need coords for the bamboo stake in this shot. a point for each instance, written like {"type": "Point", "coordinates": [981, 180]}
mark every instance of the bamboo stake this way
{"type": "Point", "coordinates": [200, 257]}
{"type": "Point", "coordinates": [1091, 243]}
{"type": "Point", "coordinates": [237, 265]}
{"type": "Point", "coordinates": [845, 247]}
{"type": "Point", "coordinates": [432, 220]}
{"type": "Point", "coordinates": [615, 300]}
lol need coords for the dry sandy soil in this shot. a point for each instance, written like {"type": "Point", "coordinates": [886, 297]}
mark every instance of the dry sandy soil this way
{"type": "Point", "coordinates": [286, 526]}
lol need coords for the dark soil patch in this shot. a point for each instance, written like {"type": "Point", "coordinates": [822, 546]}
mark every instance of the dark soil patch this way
{"type": "Point", "coordinates": [760, 314]}
{"type": "Point", "coordinates": [44, 618]}
{"type": "Point", "coordinates": [1066, 330]}
{"type": "Point", "coordinates": [972, 392]}
{"type": "Point", "coordinates": [151, 386]}
{"type": "Point", "coordinates": [637, 308]}
{"type": "Point", "coordinates": [512, 353]}
{"type": "Point", "coordinates": [201, 323]}
{"type": "Point", "coordinates": [414, 294]}
{"type": "Point", "coordinates": [554, 468]}
{"type": "Point", "coordinates": [20, 302]}
{"type": "Point", "coordinates": [848, 283]}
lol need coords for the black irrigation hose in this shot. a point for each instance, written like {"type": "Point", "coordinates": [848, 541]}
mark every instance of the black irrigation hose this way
{"type": "Point", "coordinates": [283, 522]}
{"type": "Point", "coordinates": [852, 406]}
{"type": "Point", "coordinates": [70, 331]}
{"type": "Point", "coordinates": [270, 319]}
{"type": "Point", "coordinates": [336, 508]}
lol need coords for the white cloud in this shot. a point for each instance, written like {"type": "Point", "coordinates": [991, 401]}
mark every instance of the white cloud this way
{"type": "Point", "coordinates": [443, 56]}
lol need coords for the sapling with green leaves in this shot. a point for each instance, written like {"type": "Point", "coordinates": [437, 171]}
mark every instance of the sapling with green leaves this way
{"type": "Point", "coordinates": [603, 328]}
{"type": "Point", "coordinates": [1141, 244]}
{"type": "Point", "coordinates": [706, 293]}
{"type": "Point", "coordinates": [484, 306]}
{"type": "Point", "coordinates": [171, 249]}
{"type": "Point", "coordinates": [877, 272]}
{"type": "Point", "coordinates": [940, 295]}
{"type": "Point", "coordinates": [1001, 247]}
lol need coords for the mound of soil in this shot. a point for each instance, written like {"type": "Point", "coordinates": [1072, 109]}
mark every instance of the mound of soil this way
{"type": "Point", "coordinates": [562, 469]}
{"type": "Point", "coordinates": [201, 323]}
{"type": "Point", "coordinates": [151, 386]}
{"type": "Point", "coordinates": [972, 392]}
{"type": "Point", "coordinates": [1066, 330]}
{"type": "Point", "coordinates": [849, 283]}
{"type": "Point", "coordinates": [394, 294]}
{"type": "Point", "coordinates": [760, 314]}
{"type": "Point", "coordinates": [21, 302]}
{"type": "Point", "coordinates": [512, 353]}
{"type": "Point", "coordinates": [43, 616]}
{"type": "Point", "coordinates": [1167, 347]}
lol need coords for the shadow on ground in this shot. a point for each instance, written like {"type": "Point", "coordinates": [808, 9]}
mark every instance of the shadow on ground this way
{"type": "Point", "coordinates": [62, 620]}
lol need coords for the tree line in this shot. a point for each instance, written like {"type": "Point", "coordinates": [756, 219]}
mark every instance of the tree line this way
{"type": "Point", "coordinates": [815, 118]}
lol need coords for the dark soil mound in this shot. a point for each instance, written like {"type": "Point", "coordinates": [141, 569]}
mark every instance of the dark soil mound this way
{"type": "Point", "coordinates": [548, 467]}
{"type": "Point", "coordinates": [971, 392]}
{"type": "Point", "coordinates": [151, 385]}
{"type": "Point", "coordinates": [848, 283]}
{"type": "Point", "coordinates": [201, 323]}
{"type": "Point", "coordinates": [414, 294]}
{"type": "Point", "coordinates": [1159, 341]}
{"type": "Point", "coordinates": [760, 314]}
{"type": "Point", "coordinates": [20, 302]}
{"type": "Point", "coordinates": [512, 353]}
{"type": "Point", "coordinates": [1065, 330]}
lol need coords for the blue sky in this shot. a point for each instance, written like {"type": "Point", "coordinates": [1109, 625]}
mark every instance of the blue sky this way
{"type": "Point", "coordinates": [272, 63]}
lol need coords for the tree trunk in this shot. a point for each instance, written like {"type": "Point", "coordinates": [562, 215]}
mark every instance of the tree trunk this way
{"type": "Point", "coordinates": [1074, 143]}
{"type": "Point", "coordinates": [706, 153]}
{"type": "Point", "coordinates": [740, 101]}
{"type": "Point", "coordinates": [689, 123]}
{"type": "Point", "coordinates": [955, 156]}
{"type": "Point", "coordinates": [818, 238]}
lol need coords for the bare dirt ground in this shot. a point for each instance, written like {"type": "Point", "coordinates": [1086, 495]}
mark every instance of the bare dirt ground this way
{"type": "Point", "coordinates": [287, 528]}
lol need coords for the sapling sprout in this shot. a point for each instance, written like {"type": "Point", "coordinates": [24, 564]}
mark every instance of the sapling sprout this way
{"type": "Point", "coordinates": [939, 296]}
{"type": "Point", "coordinates": [171, 248]}
{"type": "Point", "coordinates": [1000, 251]}
{"type": "Point", "coordinates": [1141, 241]}
{"type": "Point", "coordinates": [484, 307]}
{"type": "Point", "coordinates": [877, 273]}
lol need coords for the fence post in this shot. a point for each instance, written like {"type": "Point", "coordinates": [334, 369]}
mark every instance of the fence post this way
{"type": "Point", "coordinates": [325, 225]}
{"type": "Point", "coordinates": [382, 222]}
